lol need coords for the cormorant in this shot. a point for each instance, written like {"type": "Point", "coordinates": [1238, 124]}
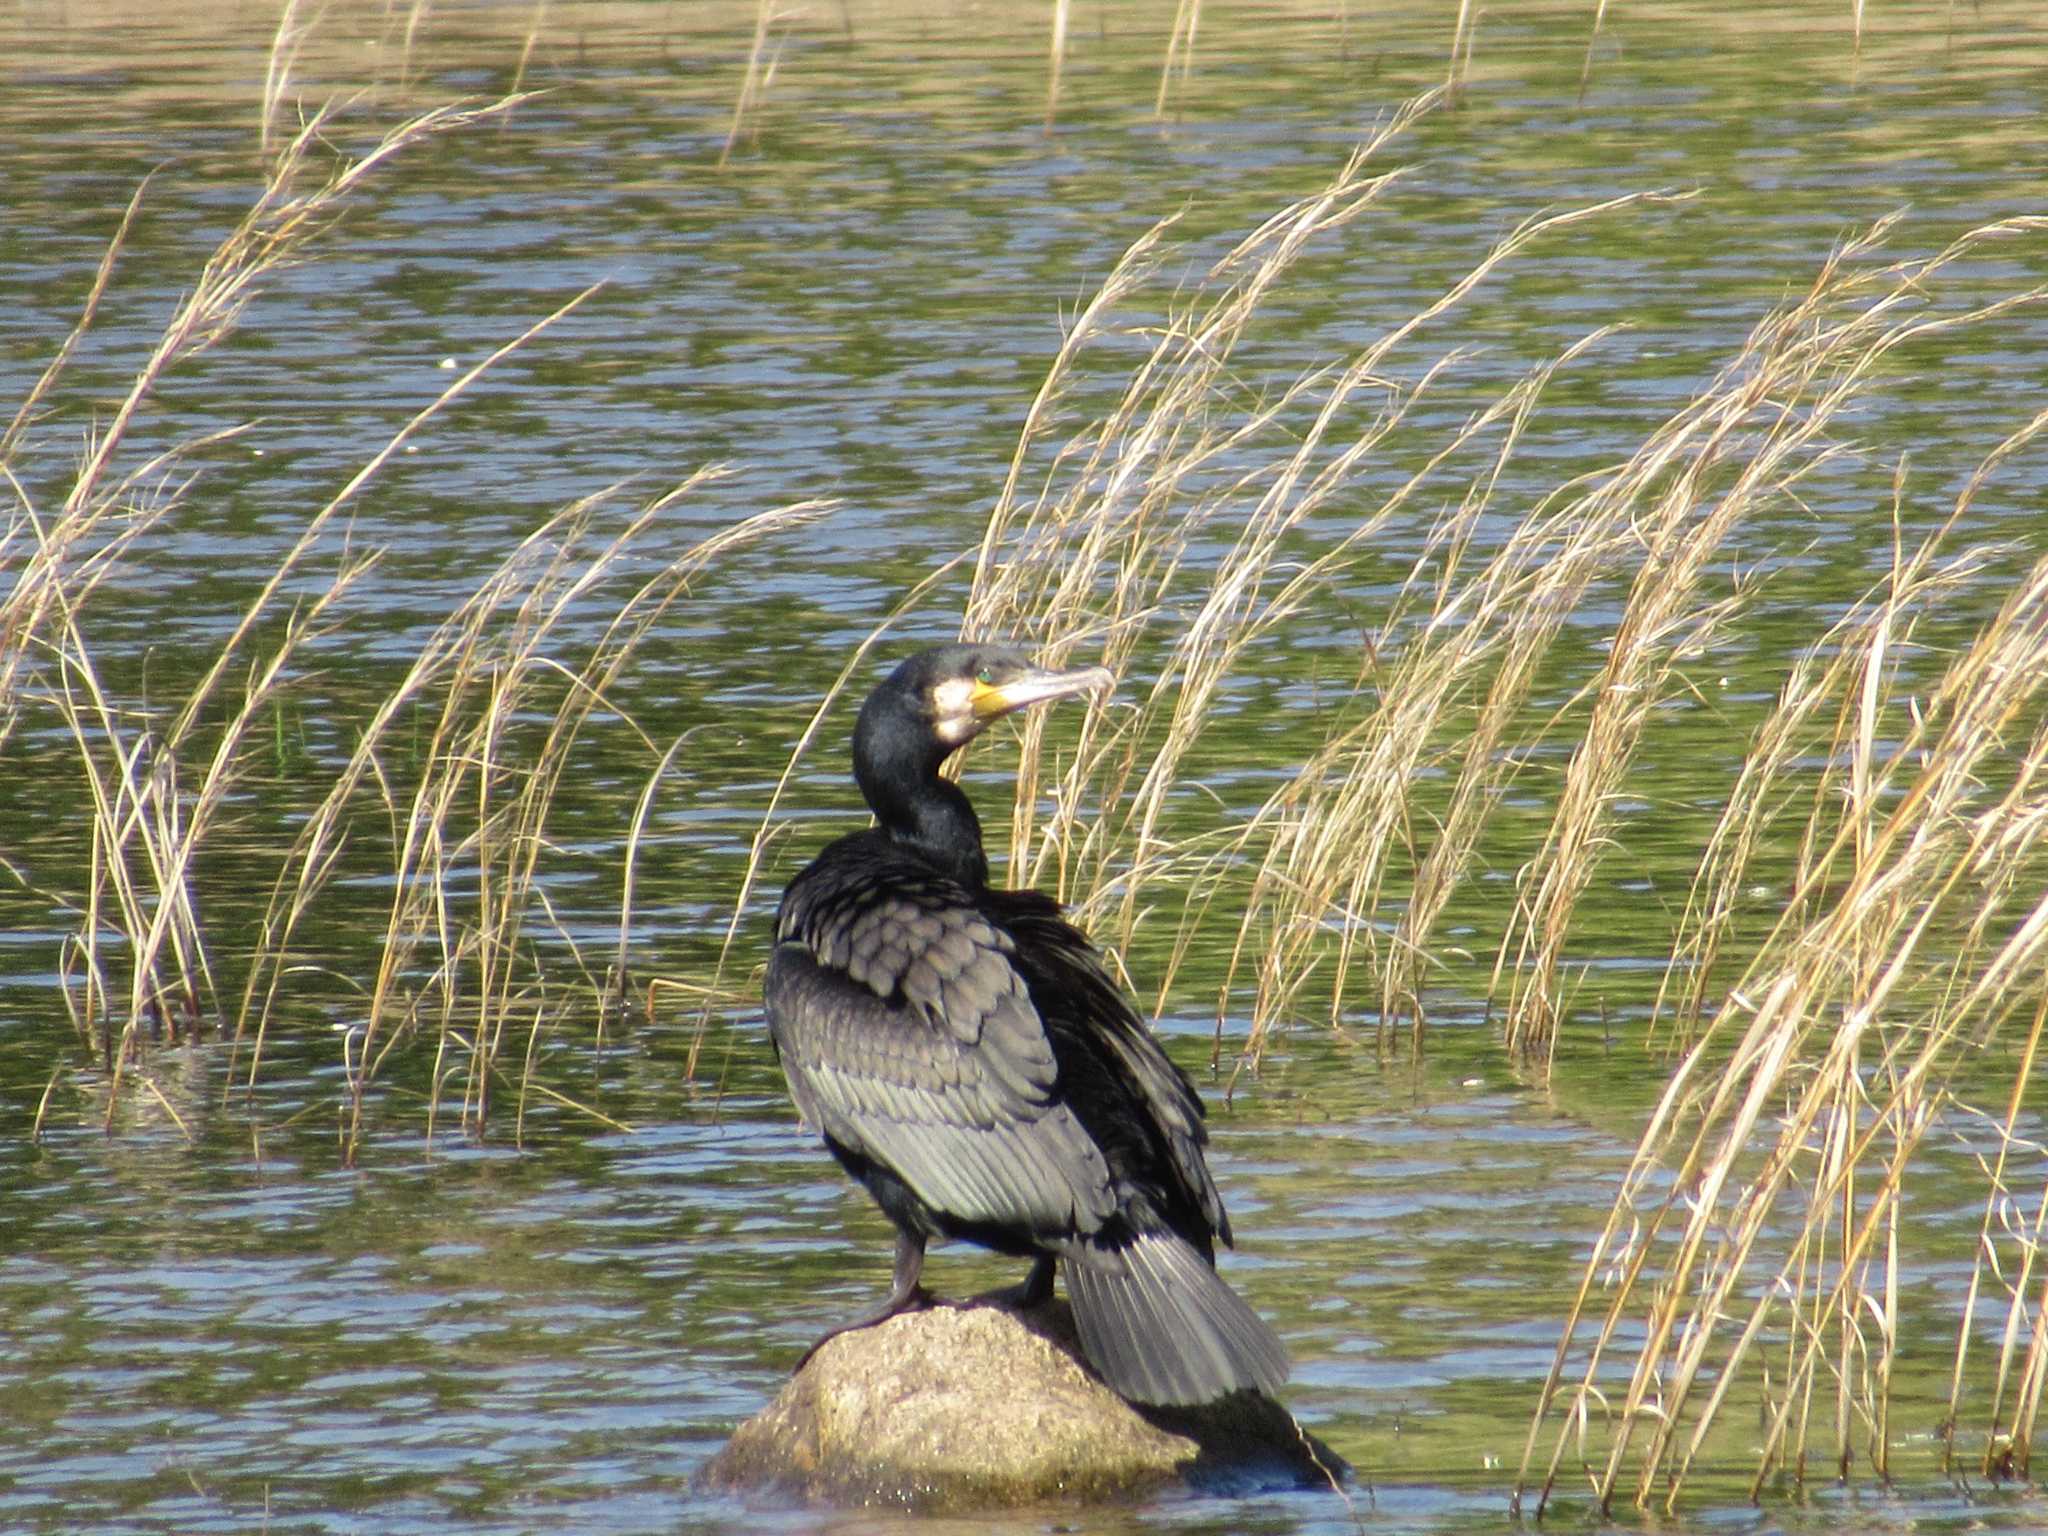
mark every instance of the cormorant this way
{"type": "Point", "coordinates": [969, 1059]}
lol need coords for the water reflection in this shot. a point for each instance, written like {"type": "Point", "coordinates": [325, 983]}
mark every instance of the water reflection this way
{"type": "Point", "coordinates": [582, 1323]}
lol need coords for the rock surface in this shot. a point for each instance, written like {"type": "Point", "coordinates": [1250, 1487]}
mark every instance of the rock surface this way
{"type": "Point", "coordinates": [978, 1407]}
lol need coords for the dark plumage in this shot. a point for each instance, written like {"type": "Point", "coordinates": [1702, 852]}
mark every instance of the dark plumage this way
{"type": "Point", "coordinates": [971, 1062]}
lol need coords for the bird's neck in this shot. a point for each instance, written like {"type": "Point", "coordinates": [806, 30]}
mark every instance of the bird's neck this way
{"type": "Point", "coordinates": [931, 816]}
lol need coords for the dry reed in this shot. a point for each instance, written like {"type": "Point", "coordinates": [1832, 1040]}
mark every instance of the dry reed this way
{"type": "Point", "coordinates": [1738, 449]}
{"type": "Point", "coordinates": [153, 788]}
{"type": "Point", "coordinates": [762, 55]}
{"type": "Point", "coordinates": [507, 712]}
{"type": "Point", "coordinates": [1758, 1239]}
{"type": "Point", "coordinates": [1187, 24]}
{"type": "Point", "coordinates": [1100, 558]}
{"type": "Point", "coordinates": [1058, 61]}
{"type": "Point", "coordinates": [509, 693]}
{"type": "Point", "coordinates": [1915, 935]}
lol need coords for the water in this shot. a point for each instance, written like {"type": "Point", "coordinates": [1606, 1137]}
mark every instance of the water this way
{"type": "Point", "coordinates": [214, 1325]}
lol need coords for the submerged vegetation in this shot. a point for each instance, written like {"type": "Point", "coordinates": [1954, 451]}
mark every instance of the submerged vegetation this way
{"type": "Point", "coordinates": [1892, 799]}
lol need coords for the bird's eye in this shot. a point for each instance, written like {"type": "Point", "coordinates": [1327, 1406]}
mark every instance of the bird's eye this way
{"type": "Point", "coordinates": [986, 677]}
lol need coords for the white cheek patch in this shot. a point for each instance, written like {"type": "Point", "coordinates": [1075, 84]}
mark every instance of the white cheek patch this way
{"type": "Point", "coordinates": [953, 711]}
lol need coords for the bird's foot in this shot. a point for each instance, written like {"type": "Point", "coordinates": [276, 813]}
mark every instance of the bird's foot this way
{"type": "Point", "coordinates": [916, 1299]}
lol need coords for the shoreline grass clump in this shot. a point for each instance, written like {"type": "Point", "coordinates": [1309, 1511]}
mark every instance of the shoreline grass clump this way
{"type": "Point", "coordinates": [1758, 1241]}
{"type": "Point", "coordinates": [1743, 446]}
{"type": "Point", "coordinates": [1754, 1255]}
{"type": "Point", "coordinates": [510, 685]}
{"type": "Point", "coordinates": [1101, 558]}
{"type": "Point", "coordinates": [154, 782]}
{"type": "Point", "coordinates": [469, 832]}
{"type": "Point", "coordinates": [1760, 1236]}
{"type": "Point", "coordinates": [1348, 866]}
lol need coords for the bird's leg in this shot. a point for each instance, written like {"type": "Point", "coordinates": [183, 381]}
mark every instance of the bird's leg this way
{"type": "Point", "coordinates": [904, 1294]}
{"type": "Point", "coordinates": [1034, 1290]}
{"type": "Point", "coordinates": [904, 1291]}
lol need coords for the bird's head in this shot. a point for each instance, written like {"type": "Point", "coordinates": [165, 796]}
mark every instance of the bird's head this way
{"type": "Point", "coordinates": [940, 699]}
{"type": "Point", "coordinates": [960, 690]}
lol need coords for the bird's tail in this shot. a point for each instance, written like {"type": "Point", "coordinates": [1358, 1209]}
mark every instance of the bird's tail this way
{"type": "Point", "coordinates": [1160, 1326]}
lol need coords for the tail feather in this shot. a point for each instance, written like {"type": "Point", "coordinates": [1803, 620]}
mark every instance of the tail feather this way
{"type": "Point", "coordinates": [1161, 1327]}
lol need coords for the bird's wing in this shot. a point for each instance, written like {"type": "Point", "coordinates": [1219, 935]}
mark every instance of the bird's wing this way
{"type": "Point", "coordinates": [909, 1038]}
{"type": "Point", "coordinates": [1069, 968]}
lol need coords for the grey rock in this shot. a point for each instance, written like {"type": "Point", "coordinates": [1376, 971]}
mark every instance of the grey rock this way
{"type": "Point", "coordinates": [977, 1406]}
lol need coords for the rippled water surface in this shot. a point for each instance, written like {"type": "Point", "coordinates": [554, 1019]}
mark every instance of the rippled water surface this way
{"type": "Point", "coordinates": [212, 1323]}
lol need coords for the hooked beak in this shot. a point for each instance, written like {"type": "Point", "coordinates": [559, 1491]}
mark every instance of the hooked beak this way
{"type": "Point", "coordinates": [1035, 685]}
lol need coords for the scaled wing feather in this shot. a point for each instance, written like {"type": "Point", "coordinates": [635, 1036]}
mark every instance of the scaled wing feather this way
{"type": "Point", "coordinates": [909, 1038]}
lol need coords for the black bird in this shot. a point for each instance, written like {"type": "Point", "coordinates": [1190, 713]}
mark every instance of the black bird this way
{"type": "Point", "coordinates": [969, 1059]}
